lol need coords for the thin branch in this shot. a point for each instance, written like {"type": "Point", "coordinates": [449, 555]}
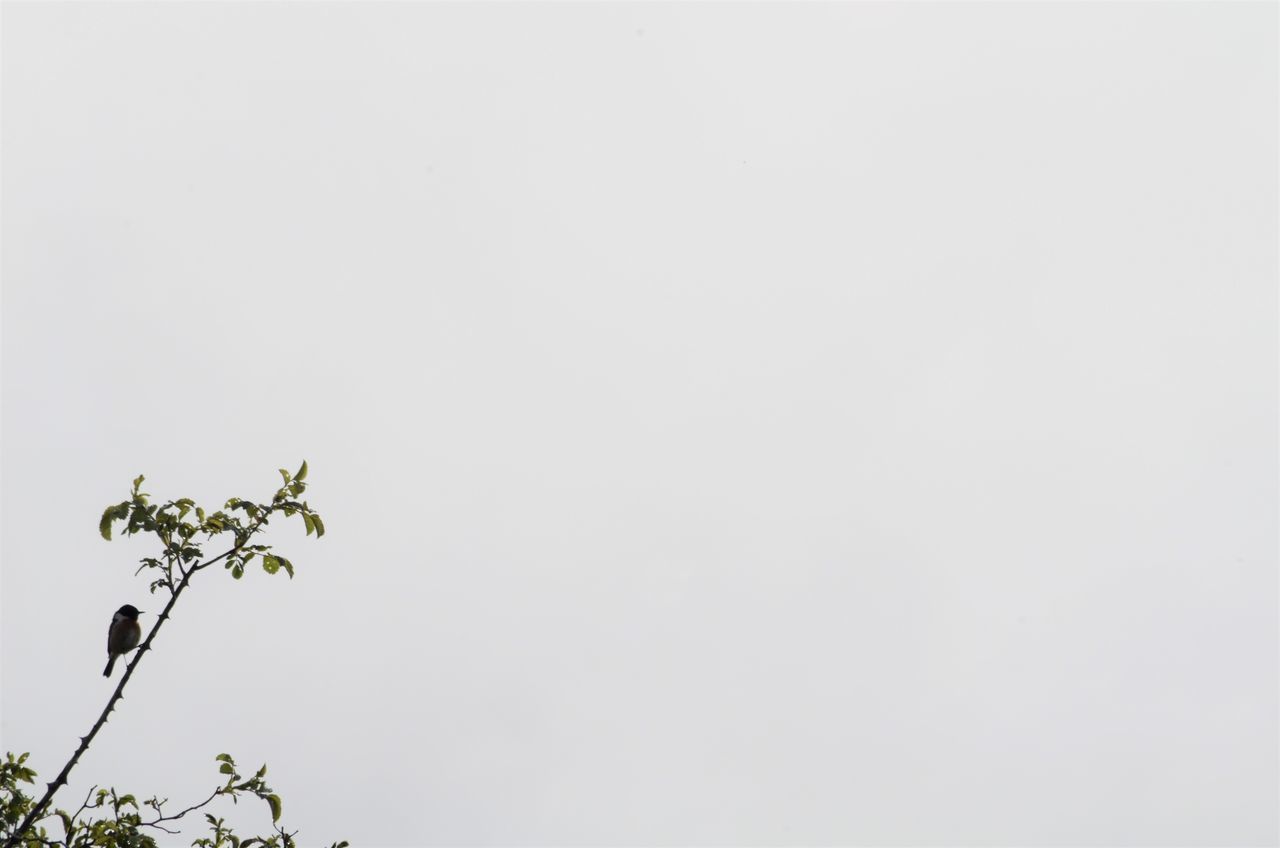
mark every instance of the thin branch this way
{"type": "Point", "coordinates": [85, 805]}
{"type": "Point", "coordinates": [286, 837]}
{"type": "Point", "coordinates": [239, 545]}
{"type": "Point", "coordinates": [155, 822]}
{"type": "Point", "coordinates": [69, 825]}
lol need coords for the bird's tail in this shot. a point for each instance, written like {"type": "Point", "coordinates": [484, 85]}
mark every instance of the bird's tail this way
{"type": "Point", "coordinates": [111, 663]}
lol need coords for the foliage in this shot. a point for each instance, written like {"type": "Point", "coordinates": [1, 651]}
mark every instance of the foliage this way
{"type": "Point", "coordinates": [173, 524]}
{"type": "Point", "coordinates": [106, 818]}
{"type": "Point", "coordinates": [119, 819]}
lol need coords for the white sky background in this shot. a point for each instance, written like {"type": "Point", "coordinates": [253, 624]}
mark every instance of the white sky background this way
{"type": "Point", "coordinates": [735, 424]}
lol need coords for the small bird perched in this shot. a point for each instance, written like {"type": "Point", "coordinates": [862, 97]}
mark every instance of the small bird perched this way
{"type": "Point", "coordinates": [124, 635]}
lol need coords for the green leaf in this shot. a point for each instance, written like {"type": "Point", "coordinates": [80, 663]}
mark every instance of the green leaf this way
{"type": "Point", "coordinates": [137, 482]}
{"type": "Point", "coordinates": [262, 772]}
{"type": "Point", "coordinates": [110, 516]}
{"type": "Point", "coordinates": [274, 801]}
{"type": "Point", "coordinates": [66, 822]}
{"type": "Point", "coordinates": [224, 758]}
{"type": "Point", "coordinates": [237, 571]}
{"type": "Point", "coordinates": [315, 519]}
{"type": "Point", "coordinates": [287, 566]}
{"type": "Point", "coordinates": [302, 472]}
{"type": "Point", "coordinates": [104, 526]}
{"type": "Point", "coordinates": [226, 768]}
{"type": "Point", "coordinates": [285, 475]}
{"type": "Point", "coordinates": [270, 564]}
{"type": "Point", "coordinates": [311, 525]}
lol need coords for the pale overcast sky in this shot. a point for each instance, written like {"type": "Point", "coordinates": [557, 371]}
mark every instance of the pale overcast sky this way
{"type": "Point", "coordinates": [736, 424]}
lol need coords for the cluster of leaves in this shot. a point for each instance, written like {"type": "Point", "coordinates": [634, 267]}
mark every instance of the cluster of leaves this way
{"type": "Point", "coordinates": [107, 819]}
{"type": "Point", "coordinates": [14, 803]}
{"type": "Point", "coordinates": [183, 528]}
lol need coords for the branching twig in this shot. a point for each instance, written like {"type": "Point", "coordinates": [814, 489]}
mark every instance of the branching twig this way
{"type": "Point", "coordinates": [156, 822]}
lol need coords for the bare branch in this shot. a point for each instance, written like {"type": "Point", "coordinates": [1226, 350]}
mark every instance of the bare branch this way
{"type": "Point", "coordinates": [156, 821]}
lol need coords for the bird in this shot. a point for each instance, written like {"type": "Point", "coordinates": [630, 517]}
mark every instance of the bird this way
{"type": "Point", "coordinates": [123, 636]}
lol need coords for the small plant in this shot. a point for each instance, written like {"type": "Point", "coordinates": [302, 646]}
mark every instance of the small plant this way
{"type": "Point", "coordinates": [107, 818]}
